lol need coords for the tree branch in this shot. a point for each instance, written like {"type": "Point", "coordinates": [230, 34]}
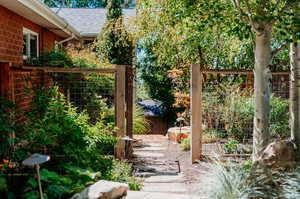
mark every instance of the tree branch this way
{"type": "Point", "coordinates": [250, 14]}
{"type": "Point", "coordinates": [236, 4]}
{"type": "Point", "coordinates": [246, 15]}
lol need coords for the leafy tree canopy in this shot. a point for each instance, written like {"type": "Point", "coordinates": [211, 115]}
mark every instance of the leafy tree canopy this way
{"type": "Point", "coordinates": [189, 32]}
{"type": "Point", "coordinates": [115, 44]}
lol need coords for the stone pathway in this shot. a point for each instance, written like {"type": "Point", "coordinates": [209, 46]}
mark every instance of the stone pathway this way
{"type": "Point", "coordinates": [155, 160]}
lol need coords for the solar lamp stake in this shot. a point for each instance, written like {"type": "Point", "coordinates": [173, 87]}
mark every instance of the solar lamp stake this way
{"type": "Point", "coordinates": [39, 181]}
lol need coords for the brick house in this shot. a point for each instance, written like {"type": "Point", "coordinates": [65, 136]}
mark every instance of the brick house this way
{"type": "Point", "coordinates": [29, 27]}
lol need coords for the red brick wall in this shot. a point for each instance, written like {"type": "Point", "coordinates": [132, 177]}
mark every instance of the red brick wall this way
{"type": "Point", "coordinates": [23, 80]}
{"type": "Point", "coordinates": [13, 82]}
{"type": "Point", "coordinates": [11, 36]}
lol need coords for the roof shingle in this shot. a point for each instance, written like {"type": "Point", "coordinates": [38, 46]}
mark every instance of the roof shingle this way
{"type": "Point", "coordinates": [88, 21]}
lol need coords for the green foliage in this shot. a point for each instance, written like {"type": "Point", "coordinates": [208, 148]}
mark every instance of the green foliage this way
{"type": "Point", "coordinates": [99, 111]}
{"type": "Point", "coordinates": [54, 58]}
{"type": "Point", "coordinates": [231, 109]}
{"type": "Point", "coordinates": [279, 125]}
{"type": "Point", "coordinates": [81, 150]}
{"type": "Point", "coordinates": [7, 127]}
{"type": "Point", "coordinates": [231, 147]}
{"type": "Point", "coordinates": [212, 135]}
{"type": "Point", "coordinates": [82, 142]}
{"type": "Point", "coordinates": [62, 186]}
{"type": "Point", "coordinates": [185, 144]}
{"type": "Point", "coordinates": [140, 124]}
{"type": "Point", "coordinates": [3, 185]}
{"type": "Point", "coordinates": [114, 44]}
{"type": "Point", "coordinates": [198, 32]}
{"type": "Point", "coordinates": [68, 58]}
{"type": "Point", "coordinates": [55, 127]}
{"type": "Point", "coordinates": [122, 172]}
{"type": "Point", "coordinates": [228, 182]}
{"type": "Point", "coordinates": [231, 181]}
{"type": "Point", "coordinates": [114, 9]}
{"type": "Point", "coordinates": [154, 78]}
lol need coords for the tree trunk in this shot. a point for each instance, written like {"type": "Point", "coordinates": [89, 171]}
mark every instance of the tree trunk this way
{"type": "Point", "coordinates": [295, 92]}
{"type": "Point", "coordinates": [262, 90]}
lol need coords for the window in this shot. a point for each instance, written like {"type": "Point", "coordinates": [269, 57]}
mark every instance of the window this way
{"type": "Point", "coordinates": [30, 44]}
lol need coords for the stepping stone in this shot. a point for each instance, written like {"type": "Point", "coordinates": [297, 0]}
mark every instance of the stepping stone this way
{"type": "Point", "coordinates": [151, 148]}
{"type": "Point", "coordinates": [144, 174]}
{"type": "Point", "coordinates": [149, 195]}
{"type": "Point", "coordinates": [165, 187]}
{"type": "Point", "coordinates": [164, 179]}
{"type": "Point", "coordinates": [155, 144]}
{"type": "Point", "coordinates": [141, 154]}
{"type": "Point", "coordinates": [145, 169]}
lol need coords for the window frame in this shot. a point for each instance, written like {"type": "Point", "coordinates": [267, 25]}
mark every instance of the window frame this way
{"type": "Point", "coordinates": [30, 32]}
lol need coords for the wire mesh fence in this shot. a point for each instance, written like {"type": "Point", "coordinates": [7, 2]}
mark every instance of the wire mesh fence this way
{"type": "Point", "coordinates": [228, 111]}
{"type": "Point", "coordinates": [228, 106]}
{"type": "Point", "coordinates": [87, 92]}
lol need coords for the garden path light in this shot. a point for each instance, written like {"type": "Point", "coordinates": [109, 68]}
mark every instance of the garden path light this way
{"type": "Point", "coordinates": [35, 160]}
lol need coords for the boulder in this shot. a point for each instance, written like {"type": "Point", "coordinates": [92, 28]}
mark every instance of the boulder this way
{"type": "Point", "coordinates": [278, 154]}
{"type": "Point", "coordinates": [103, 190]}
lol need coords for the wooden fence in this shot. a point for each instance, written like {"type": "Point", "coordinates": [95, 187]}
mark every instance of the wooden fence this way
{"type": "Point", "coordinates": [123, 96]}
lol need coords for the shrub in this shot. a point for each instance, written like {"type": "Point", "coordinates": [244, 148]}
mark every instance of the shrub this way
{"type": "Point", "coordinates": [211, 135]}
{"type": "Point", "coordinates": [115, 45]}
{"type": "Point", "coordinates": [140, 124]}
{"type": "Point", "coordinates": [233, 181]}
{"type": "Point", "coordinates": [279, 117]}
{"type": "Point", "coordinates": [226, 183]}
{"type": "Point", "coordinates": [231, 109]}
{"type": "Point", "coordinates": [82, 141]}
{"type": "Point", "coordinates": [7, 128]}
{"type": "Point", "coordinates": [122, 172]}
{"type": "Point", "coordinates": [54, 58]}
{"type": "Point", "coordinates": [62, 186]}
{"type": "Point", "coordinates": [77, 147]}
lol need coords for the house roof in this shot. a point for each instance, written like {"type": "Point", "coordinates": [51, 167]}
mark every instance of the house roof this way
{"type": "Point", "coordinates": [39, 13]}
{"type": "Point", "coordinates": [88, 21]}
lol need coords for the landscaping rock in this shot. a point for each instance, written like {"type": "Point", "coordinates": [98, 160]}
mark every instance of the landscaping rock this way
{"type": "Point", "coordinates": [103, 190]}
{"type": "Point", "coordinates": [278, 154]}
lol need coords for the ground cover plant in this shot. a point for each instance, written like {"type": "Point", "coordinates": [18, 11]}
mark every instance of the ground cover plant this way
{"type": "Point", "coordinates": [235, 181]}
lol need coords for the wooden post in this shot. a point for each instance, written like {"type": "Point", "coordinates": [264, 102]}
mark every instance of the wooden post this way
{"type": "Point", "coordinates": [129, 107]}
{"type": "Point", "coordinates": [196, 106]}
{"type": "Point", "coordinates": [120, 111]}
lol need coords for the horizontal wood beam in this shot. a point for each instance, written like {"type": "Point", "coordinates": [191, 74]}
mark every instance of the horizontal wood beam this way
{"type": "Point", "coordinates": [241, 72]}
{"type": "Point", "coordinates": [67, 70]}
